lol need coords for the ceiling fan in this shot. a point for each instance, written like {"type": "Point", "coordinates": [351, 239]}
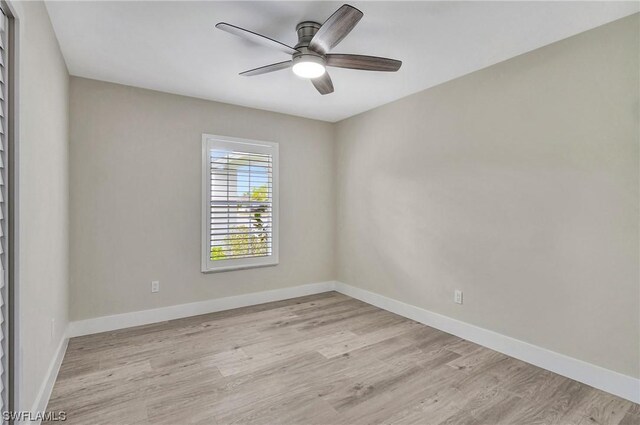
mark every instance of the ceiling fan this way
{"type": "Point", "coordinates": [310, 57]}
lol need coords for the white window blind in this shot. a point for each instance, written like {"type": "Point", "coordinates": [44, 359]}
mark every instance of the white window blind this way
{"type": "Point", "coordinates": [4, 346]}
{"type": "Point", "coordinates": [239, 203]}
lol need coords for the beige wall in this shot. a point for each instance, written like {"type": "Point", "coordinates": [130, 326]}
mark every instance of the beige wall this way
{"type": "Point", "coordinates": [517, 184]}
{"type": "Point", "coordinates": [43, 204]}
{"type": "Point", "coordinates": [135, 198]}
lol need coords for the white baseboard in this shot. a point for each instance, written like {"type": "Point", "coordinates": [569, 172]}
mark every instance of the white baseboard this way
{"type": "Point", "coordinates": [607, 380]}
{"type": "Point", "coordinates": [145, 317]}
{"type": "Point", "coordinates": [604, 379]}
{"type": "Point", "coordinates": [42, 399]}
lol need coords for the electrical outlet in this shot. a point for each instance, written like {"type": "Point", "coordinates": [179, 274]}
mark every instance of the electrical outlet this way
{"type": "Point", "coordinates": [457, 296]}
{"type": "Point", "coordinates": [155, 286]}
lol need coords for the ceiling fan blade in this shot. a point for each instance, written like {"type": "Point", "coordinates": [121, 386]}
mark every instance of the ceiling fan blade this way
{"type": "Point", "coordinates": [323, 83]}
{"type": "Point", "coordinates": [366, 63]}
{"type": "Point", "coordinates": [267, 68]}
{"type": "Point", "coordinates": [335, 29]}
{"type": "Point", "coordinates": [255, 37]}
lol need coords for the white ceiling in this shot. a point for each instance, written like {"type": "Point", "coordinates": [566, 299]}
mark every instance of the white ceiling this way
{"type": "Point", "coordinates": [174, 47]}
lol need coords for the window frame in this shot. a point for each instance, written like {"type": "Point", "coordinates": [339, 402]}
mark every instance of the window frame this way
{"type": "Point", "coordinates": [210, 141]}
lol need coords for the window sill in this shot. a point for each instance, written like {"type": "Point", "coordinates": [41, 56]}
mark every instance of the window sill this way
{"type": "Point", "coordinates": [239, 267]}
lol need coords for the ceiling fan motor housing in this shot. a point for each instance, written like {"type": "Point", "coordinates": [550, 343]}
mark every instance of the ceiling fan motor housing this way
{"type": "Point", "coordinates": [306, 30]}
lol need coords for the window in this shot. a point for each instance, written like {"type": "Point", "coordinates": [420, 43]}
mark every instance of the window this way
{"type": "Point", "coordinates": [239, 203]}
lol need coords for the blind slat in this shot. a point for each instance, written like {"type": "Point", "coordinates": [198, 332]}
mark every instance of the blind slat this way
{"type": "Point", "coordinates": [237, 256]}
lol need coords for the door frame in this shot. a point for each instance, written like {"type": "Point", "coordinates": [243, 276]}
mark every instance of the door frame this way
{"type": "Point", "coordinates": [12, 149]}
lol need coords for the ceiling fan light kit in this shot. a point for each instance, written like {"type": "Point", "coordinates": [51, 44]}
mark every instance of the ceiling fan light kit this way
{"type": "Point", "coordinates": [308, 65]}
{"type": "Point", "coordinates": [310, 57]}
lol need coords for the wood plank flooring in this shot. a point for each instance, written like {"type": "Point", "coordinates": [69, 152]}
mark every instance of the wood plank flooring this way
{"type": "Point", "coordinates": [321, 359]}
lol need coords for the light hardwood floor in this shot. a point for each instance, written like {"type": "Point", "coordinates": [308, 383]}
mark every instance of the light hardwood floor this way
{"type": "Point", "coordinates": [321, 359]}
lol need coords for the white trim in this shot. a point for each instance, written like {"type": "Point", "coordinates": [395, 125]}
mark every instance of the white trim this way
{"type": "Point", "coordinates": [42, 399]}
{"type": "Point", "coordinates": [145, 317]}
{"type": "Point", "coordinates": [604, 379]}
{"type": "Point", "coordinates": [211, 141]}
